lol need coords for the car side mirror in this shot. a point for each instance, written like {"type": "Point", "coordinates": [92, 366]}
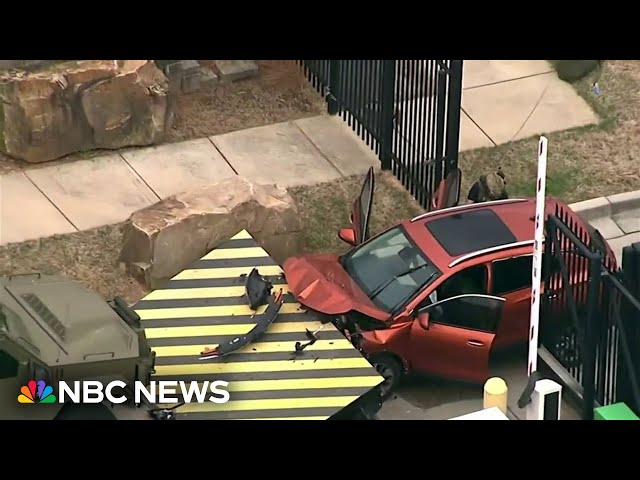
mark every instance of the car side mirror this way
{"type": "Point", "coordinates": [434, 312]}
{"type": "Point", "coordinates": [423, 320]}
{"type": "Point", "coordinates": [347, 235]}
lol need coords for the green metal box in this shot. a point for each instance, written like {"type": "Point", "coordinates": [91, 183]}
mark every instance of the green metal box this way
{"type": "Point", "coordinates": [617, 411]}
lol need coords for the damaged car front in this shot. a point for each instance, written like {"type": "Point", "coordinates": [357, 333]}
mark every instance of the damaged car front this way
{"type": "Point", "coordinates": [365, 290]}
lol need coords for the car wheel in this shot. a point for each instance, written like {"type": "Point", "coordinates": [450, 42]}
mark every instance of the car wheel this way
{"type": "Point", "coordinates": [391, 370]}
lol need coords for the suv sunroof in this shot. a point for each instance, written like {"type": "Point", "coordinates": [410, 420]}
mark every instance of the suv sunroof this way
{"type": "Point", "coordinates": [470, 231]}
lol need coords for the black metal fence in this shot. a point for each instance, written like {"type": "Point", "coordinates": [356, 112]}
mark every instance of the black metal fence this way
{"type": "Point", "coordinates": [591, 315]}
{"type": "Point", "coordinates": [407, 111]}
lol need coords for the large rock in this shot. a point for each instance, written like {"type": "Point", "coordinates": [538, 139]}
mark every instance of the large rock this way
{"type": "Point", "coordinates": [165, 238]}
{"type": "Point", "coordinates": [82, 105]}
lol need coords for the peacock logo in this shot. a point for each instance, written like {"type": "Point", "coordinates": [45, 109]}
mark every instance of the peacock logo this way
{"type": "Point", "coordinates": [36, 392]}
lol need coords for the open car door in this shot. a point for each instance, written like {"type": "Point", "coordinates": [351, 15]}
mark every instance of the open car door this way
{"type": "Point", "coordinates": [448, 192]}
{"type": "Point", "coordinates": [361, 209]}
{"type": "Point", "coordinates": [453, 338]}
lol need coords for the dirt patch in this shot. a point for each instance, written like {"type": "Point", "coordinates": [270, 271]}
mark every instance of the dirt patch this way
{"type": "Point", "coordinates": [91, 256]}
{"type": "Point", "coordinates": [278, 94]}
{"type": "Point", "coordinates": [585, 162]}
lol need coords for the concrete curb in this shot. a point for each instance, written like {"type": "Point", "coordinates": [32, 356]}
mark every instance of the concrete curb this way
{"type": "Point", "coordinates": [592, 208]}
{"type": "Point", "coordinates": [622, 202]}
{"type": "Point", "coordinates": [606, 206]}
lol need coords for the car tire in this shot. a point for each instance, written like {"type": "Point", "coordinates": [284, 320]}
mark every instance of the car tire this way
{"type": "Point", "coordinates": [391, 369]}
{"type": "Point", "coordinates": [75, 411]}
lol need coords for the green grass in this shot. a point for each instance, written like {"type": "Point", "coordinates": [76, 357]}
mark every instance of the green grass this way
{"type": "Point", "coordinates": [325, 209]}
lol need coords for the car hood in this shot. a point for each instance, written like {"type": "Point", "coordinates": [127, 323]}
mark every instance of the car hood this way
{"type": "Point", "coordinates": [320, 283]}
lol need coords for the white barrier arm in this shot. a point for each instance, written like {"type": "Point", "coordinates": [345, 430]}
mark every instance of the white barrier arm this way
{"type": "Point", "coordinates": [537, 255]}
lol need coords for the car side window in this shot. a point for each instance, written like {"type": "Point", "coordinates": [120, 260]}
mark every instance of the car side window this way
{"type": "Point", "coordinates": [513, 274]}
{"type": "Point", "coordinates": [472, 312]}
{"type": "Point", "coordinates": [472, 280]}
{"type": "Point", "coordinates": [8, 365]}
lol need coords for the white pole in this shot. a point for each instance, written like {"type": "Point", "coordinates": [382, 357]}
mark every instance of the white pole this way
{"type": "Point", "coordinates": [537, 255]}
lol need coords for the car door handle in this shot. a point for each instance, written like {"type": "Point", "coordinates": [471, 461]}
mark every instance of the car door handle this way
{"type": "Point", "coordinates": [474, 343]}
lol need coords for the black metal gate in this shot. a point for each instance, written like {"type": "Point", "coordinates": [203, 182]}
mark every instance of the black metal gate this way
{"type": "Point", "coordinates": [590, 319]}
{"type": "Point", "coordinates": [407, 111]}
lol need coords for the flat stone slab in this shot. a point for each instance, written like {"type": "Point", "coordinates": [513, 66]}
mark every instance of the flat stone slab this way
{"type": "Point", "coordinates": [622, 202]}
{"type": "Point", "coordinates": [278, 153]}
{"type": "Point", "coordinates": [617, 244]}
{"type": "Point", "coordinates": [607, 227]}
{"type": "Point", "coordinates": [339, 144]}
{"type": "Point", "coordinates": [179, 167]}
{"type": "Point", "coordinates": [629, 221]}
{"type": "Point", "coordinates": [517, 109]}
{"type": "Point", "coordinates": [25, 213]}
{"type": "Point", "coordinates": [471, 136]}
{"type": "Point", "coordinates": [179, 67]}
{"type": "Point", "coordinates": [96, 192]}
{"type": "Point", "coordinates": [484, 72]}
{"type": "Point", "coordinates": [232, 70]}
{"type": "Point", "coordinates": [559, 109]}
{"type": "Point", "coordinates": [592, 209]}
{"type": "Point", "coordinates": [208, 77]}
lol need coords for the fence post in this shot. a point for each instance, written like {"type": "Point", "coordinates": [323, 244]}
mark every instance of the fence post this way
{"type": "Point", "coordinates": [387, 112]}
{"type": "Point", "coordinates": [453, 115]}
{"type": "Point", "coordinates": [334, 82]}
{"type": "Point", "coordinates": [591, 339]}
{"type": "Point", "coordinates": [441, 108]}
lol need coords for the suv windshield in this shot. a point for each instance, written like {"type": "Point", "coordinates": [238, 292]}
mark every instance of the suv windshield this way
{"type": "Point", "coordinates": [390, 269]}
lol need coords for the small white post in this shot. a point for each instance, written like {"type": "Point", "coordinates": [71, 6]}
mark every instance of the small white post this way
{"type": "Point", "coordinates": [537, 255]}
{"type": "Point", "coordinates": [546, 401]}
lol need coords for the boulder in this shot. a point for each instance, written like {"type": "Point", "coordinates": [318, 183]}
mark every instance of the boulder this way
{"type": "Point", "coordinates": [82, 105]}
{"type": "Point", "coordinates": [163, 239]}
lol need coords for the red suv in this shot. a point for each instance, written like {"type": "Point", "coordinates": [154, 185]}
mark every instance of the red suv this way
{"type": "Point", "coordinates": [435, 294]}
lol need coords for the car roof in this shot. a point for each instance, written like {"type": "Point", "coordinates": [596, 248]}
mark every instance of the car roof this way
{"type": "Point", "coordinates": [452, 233]}
{"type": "Point", "coordinates": [470, 231]}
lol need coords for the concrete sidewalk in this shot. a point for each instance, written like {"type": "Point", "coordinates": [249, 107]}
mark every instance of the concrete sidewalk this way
{"type": "Point", "coordinates": [84, 194]}
{"type": "Point", "coordinates": [502, 100]}
{"type": "Point", "coordinates": [617, 217]}
{"type": "Point", "coordinates": [507, 100]}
